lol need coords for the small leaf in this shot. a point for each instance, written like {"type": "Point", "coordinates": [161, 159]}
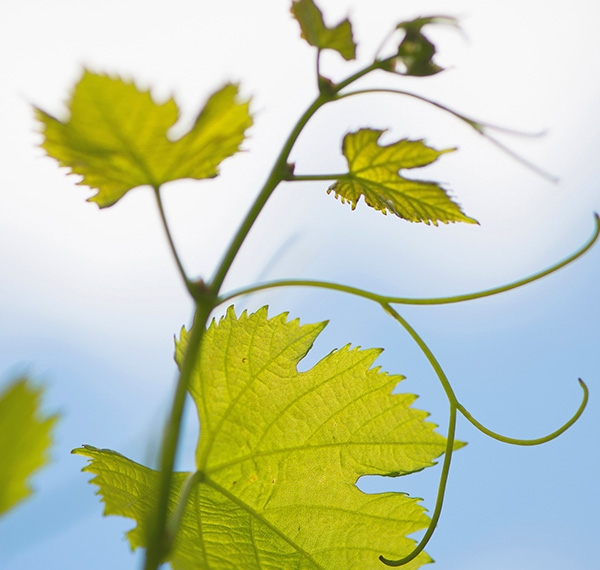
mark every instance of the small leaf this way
{"type": "Point", "coordinates": [373, 174]}
{"type": "Point", "coordinates": [279, 454]}
{"type": "Point", "coordinates": [415, 52]}
{"type": "Point", "coordinates": [316, 33]}
{"type": "Point", "coordinates": [116, 137]}
{"type": "Point", "coordinates": [25, 437]}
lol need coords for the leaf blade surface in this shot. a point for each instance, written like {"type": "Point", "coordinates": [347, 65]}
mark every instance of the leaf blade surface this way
{"type": "Point", "coordinates": [373, 173]}
{"type": "Point", "coordinates": [25, 438]}
{"type": "Point", "coordinates": [416, 51]}
{"type": "Point", "coordinates": [117, 139]}
{"type": "Point", "coordinates": [317, 34]}
{"type": "Point", "coordinates": [280, 452]}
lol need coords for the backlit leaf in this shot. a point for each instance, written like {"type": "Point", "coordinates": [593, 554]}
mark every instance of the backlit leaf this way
{"type": "Point", "coordinates": [316, 33]}
{"type": "Point", "coordinates": [416, 51]}
{"type": "Point", "coordinates": [373, 174]}
{"type": "Point", "coordinates": [116, 137]}
{"type": "Point", "coordinates": [279, 454]}
{"type": "Point", "coordinates": [25, 437]}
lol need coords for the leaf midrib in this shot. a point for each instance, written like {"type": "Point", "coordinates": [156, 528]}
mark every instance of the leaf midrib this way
{"type": "Point", "coordinates": [288, 450]}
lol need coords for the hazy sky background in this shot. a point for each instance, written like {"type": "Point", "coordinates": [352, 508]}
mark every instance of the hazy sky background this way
{"type": "Point", "coordinates": [91, 299]}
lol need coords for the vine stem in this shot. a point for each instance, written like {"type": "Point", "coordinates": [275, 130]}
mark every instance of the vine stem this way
{"type": "Point", "coordinates": [377, 64]}
{"type": "Point", "coordinates": [278, 173]}
{"type": "Point", "coordinates": [478, 126]}
{"type": "Point", "coordinates": [536, 441]}
{"type": "Point", "coordinates": [426, 351]}
{"type": "Point", "coordinates": [384, 301]}
{"type": "Point", "coordinates": [162, 529]}
{"type": "Point", "coordinates": [454, 407]}
{"type": "Point", "coordinates": [158, 542]}
{"type": "Point", "coordinates": [439, 499]}
{"type": "Point", "coordinates": [449, 438]}
{"type": "Point", "coordinates": [379, 298]}
{"type": "Point", "coordinates": [282, 171]}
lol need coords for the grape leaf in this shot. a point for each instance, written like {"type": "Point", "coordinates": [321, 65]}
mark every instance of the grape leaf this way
{"type": "Point", "coordinates": [373, 174]}
{"type": "Point", "coordinates": [116, 137]}
{"type": "Point", "coordinates": [415, 52]}
{"type": "Point", "coordinates": [279, 454]}
{"type": "Point", "coordinates": [25, 437]}
{"type": "Point", "coordinates": [316, 33]}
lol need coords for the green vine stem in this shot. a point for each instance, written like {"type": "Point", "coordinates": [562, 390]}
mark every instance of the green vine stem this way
{"type": "Point", "coordinates": [382, 299]}
{"type": "Point", "coordinates": [455, 406]}
{"type": "Point", "coordinates": [159, 542]}
{"type": "Point", "coordinates": [426, 351]}
{"type": "Point", "coordinates": [278, 173]}
{"type": "Point", "coordinates": [377, 64]}
{"type": "Point", "coordinates": [162, 529]}
{"type": "Point", "coordinates": [449, 438]}
{"type": "Point", "coordinates": [386, 302]}
{"type": "Point", "coordinates": [437, 512]}
{"type": "Point", "coordinates": [479, 126]}
{"type": "Point", "coordinates": [539, 440]}
{"type": "Point", "coordinates": [282, 170]}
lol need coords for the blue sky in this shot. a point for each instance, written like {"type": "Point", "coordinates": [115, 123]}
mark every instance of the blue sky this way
{"type": "Point", "coordinates": [91, 299]}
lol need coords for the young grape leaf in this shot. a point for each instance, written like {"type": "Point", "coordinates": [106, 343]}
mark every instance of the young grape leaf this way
{"type": "Point", "coordinates": [373, 174]}
{"type": "Point", "coordinates": [116, 137]}
{"type": "Point", "coordinates": [316, 33]}
{"type": "Point", "coordinates": [415, 52]}
{"type": "Point", "coordinates": [25, 437]}
{"type": "Point", "coordinates": [279, 454]}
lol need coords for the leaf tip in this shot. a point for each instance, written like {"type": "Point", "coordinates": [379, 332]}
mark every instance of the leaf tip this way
{"type": "Point", "coordinates": [84, 450]}
{"type": "Point", "coordinates": [95, 200]}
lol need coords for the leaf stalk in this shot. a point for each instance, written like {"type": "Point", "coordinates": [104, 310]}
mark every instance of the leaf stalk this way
{"type": "Point", "coordinates": [188, 284]}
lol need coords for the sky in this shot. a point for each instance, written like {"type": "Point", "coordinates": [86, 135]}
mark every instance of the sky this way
{"type": "Point", "coordinates": [91, 299]}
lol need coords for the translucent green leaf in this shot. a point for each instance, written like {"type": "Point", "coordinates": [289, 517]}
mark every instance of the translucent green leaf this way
{"type": "Point", "coordinates": [25, 438]}
{"type": "Point", "coordinates": [279, 454]}
{"type": "Point", "coordinates": [116, 137]}
{"type": "Point", "coordinates": [373, 174]}
{"type": "Point", "coordinates": [415, 52]}
{"type": "Point", "coordinates": [317, 34]}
